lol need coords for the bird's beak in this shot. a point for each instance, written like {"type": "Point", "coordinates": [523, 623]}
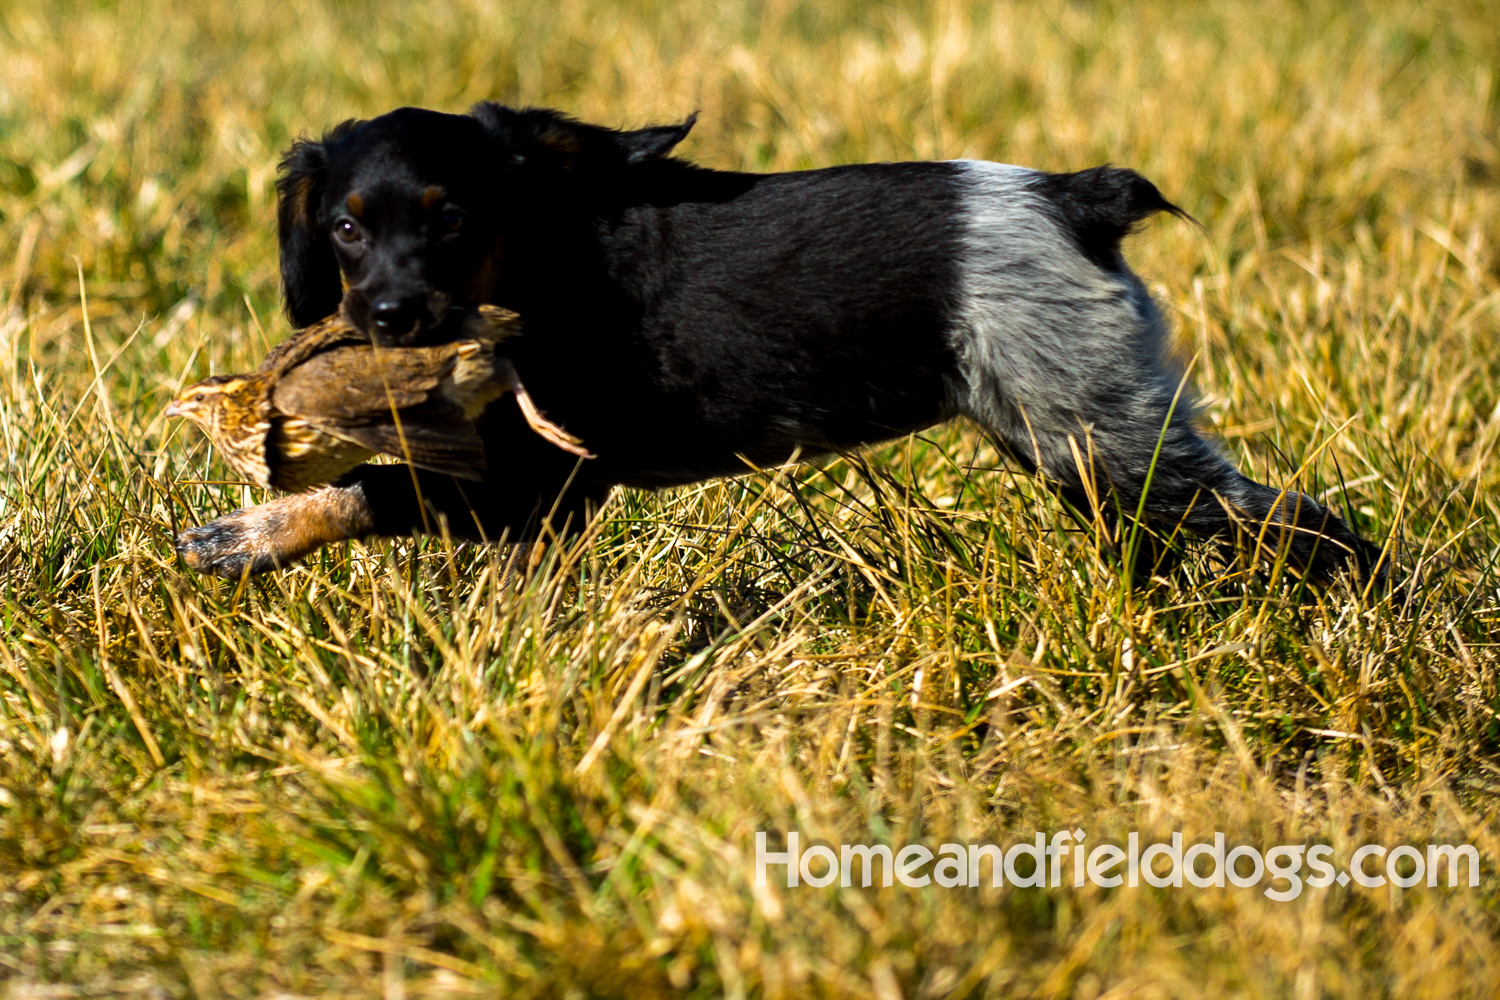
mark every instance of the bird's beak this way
{"type": "Point", "coordinates": [173, 410]}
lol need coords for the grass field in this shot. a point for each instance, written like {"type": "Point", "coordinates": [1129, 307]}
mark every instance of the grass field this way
{"type": "Point", "coordinates": [404, 770]}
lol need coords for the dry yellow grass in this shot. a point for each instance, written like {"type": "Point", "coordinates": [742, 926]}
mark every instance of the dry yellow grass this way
{"type": "Point", "coordinates": [400, 770]}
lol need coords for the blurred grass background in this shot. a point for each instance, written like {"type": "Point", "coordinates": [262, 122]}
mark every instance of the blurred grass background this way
{"type": "Point", "coordinates": [403, 770]}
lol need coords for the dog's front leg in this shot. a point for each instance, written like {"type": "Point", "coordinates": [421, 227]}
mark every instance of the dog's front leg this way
{"type": "Point", "coordinates": [276, 534]}
{"type": "Point", "coordinates": [369, 500]}
{"type": "Point", "coordinates": [532, 498]}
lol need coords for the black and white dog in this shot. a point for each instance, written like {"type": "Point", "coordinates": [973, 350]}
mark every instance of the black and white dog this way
{"type": "Point", "coordinates": [683, 320]}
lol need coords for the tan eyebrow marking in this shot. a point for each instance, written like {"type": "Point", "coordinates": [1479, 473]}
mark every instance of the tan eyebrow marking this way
{"type": "Point", "coordinates": [356, 204]}
{"type": "Point", "coordinates": [431, 195]}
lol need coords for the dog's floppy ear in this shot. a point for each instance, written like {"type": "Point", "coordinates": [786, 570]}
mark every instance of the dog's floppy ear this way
{"type": "Point", "coordinates": [309, 270]}
{"type": "Point", "coordinates": [658, 140]}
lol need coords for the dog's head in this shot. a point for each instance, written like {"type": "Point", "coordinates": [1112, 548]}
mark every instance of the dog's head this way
{"type": "Point", "coordinates": [405, 218]}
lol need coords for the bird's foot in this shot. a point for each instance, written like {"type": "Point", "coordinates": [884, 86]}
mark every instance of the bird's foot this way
{"type": "Point", "coordinates": [546, 428]}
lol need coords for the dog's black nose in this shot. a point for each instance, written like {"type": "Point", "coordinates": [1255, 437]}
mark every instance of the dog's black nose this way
{"type": "Point", "coordinates": [394, 317]}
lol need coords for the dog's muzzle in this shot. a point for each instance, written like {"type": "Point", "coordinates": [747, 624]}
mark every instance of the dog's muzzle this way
{"type": "Point", "coordinates": [393, 319]}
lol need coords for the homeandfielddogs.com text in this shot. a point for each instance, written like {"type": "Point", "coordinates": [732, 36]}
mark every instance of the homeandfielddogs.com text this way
{"type": "Point", "coordinates": [1066, 857]}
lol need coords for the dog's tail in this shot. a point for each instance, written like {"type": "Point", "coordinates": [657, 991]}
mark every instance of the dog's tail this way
{"type": "Point", "coordinates": [1101, 205]}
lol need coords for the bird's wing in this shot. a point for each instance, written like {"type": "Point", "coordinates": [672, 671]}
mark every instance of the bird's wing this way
{"type": "Point", "coordinates": [329, 332]}
{"type": "Point", "coordinates": [451, 448]}
{"type": "Point", "coordinates": [362, 383]}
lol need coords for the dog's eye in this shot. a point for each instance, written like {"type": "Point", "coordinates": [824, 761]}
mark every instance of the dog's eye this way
{"type": "Point", "coordinates": [346, 230]}
{"type": "Point", "coordinates": [453, 219]}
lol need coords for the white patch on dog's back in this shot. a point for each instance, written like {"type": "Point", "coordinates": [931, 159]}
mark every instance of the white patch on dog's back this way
{"type": "Point", "coordinates": [1042, 329]}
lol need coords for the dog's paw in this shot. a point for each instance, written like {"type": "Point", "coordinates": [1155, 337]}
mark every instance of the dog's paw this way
{"type": "Point", "coordinates": [230, 545]}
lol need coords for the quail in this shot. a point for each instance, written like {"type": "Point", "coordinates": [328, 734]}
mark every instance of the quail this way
{"type": "Point", "coordinates": [325, 399]}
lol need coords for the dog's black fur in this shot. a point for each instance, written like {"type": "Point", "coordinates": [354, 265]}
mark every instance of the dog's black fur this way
{"type": "Point", "coordinates": [682, 321]}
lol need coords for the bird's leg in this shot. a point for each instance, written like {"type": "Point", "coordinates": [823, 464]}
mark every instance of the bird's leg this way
{"type": "Point", "coordinates": [507, 374]}
{"type": "Point", "coordinates": [276, 534]}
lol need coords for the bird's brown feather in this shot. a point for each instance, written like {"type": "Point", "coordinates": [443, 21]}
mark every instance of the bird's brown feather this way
{"type": "Point", "coordinates": [327, 333]}
{"type": "Point", "coordinates": [454, 449]}
{"type": "Point", "coordinates": [301, 455]}
{"type": "Point", "coordinates": [325, 399]}
{"type": "Point", "coordinates": [371, 382]}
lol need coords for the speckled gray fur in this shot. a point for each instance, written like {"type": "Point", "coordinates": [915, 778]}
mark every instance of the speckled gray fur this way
{"type": "Point", "coordinates": [1063, 360]}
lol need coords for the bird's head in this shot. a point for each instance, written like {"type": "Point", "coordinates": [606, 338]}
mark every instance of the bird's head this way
{"type": "Point", "coordinates": [205, 403]}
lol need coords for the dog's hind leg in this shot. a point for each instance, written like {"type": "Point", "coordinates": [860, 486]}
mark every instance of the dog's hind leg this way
{"type": "Point", "coordinates": [1060, 355]}
{"type": "Point", "coordinates": [1140, 454]}
{"type": "Point", "coordinates": [1185, 483]}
